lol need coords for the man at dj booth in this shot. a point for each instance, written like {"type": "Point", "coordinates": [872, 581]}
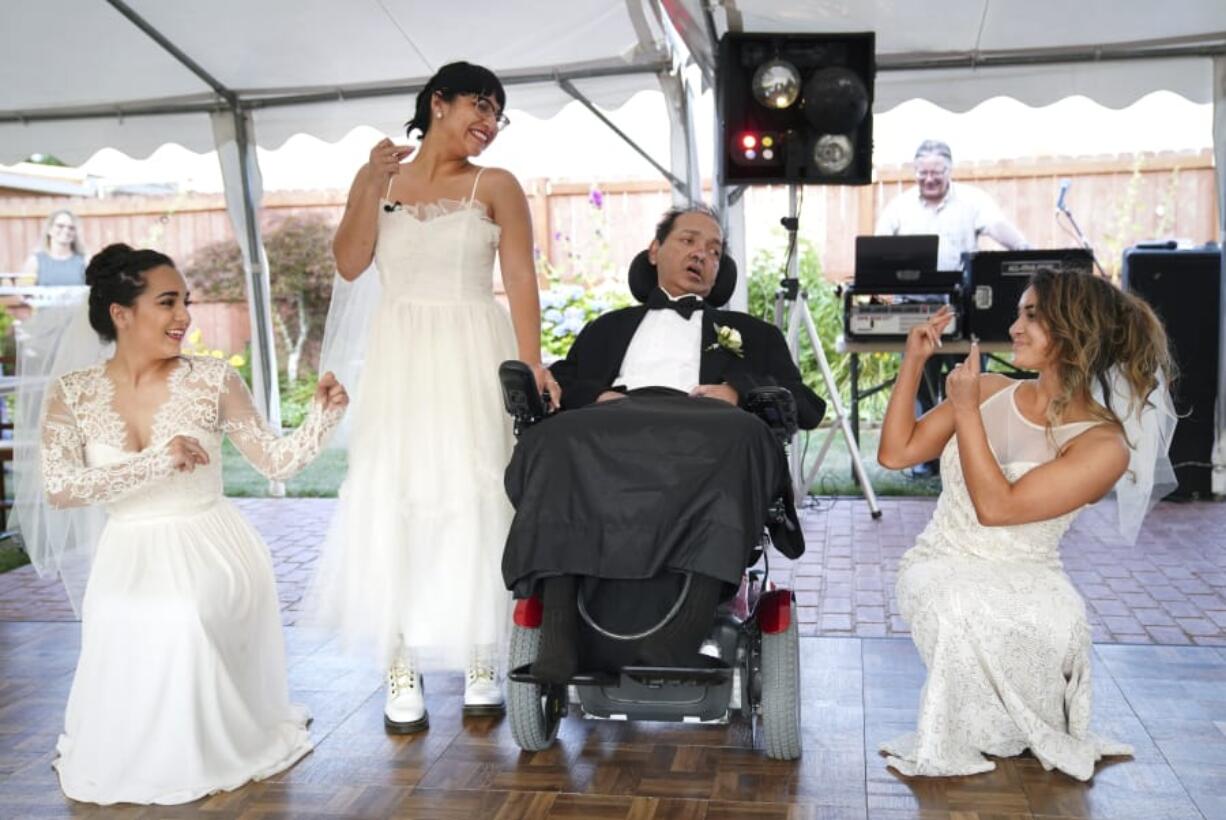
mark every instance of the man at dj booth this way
{"type": "Point", "coordinates": [956, 213]}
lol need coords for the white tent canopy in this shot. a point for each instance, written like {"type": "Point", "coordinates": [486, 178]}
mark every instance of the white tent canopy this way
{"type": "Point", "coordinates": [81, 75]}
{"type": "Point", "coordinates": [958, 53]}
{"type": "Point", "coordinates": [230, 74]}
{"type": "Point", "coordinates": [318, 67]}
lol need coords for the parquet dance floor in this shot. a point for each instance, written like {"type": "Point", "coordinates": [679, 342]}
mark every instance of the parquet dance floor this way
{"type": "Point", "coordinates": [1168, 701]}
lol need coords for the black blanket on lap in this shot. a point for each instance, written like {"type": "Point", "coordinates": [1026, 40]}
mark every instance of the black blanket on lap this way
{"type": "Point", "coordinates": [630, 488]}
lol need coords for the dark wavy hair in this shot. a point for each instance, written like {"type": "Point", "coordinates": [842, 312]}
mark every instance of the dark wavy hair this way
{"type": "Point", "coordinates": [116, 276]}
{"type": "Point", "coordinates": [450, 81]}
{"type": "Point", "coordinates": [1095, 326]}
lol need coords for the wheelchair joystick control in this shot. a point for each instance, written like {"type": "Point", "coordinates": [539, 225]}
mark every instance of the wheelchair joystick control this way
{"type": "Point", "coordinates": [520, 396]}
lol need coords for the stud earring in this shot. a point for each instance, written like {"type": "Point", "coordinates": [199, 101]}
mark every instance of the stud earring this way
{"type": "Point", "coordinates": [438, 115]}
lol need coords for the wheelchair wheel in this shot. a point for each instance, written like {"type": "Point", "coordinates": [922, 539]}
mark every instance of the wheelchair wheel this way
{"type": "Point", "coordinates": [535, 710]}
{"type": "Point", "coordinates": [780, 702]}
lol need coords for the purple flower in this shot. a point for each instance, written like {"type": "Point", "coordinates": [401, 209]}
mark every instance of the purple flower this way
{"type": "Point", "coordinates": [596, 198]}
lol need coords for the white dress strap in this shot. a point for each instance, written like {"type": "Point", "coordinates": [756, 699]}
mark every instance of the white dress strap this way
{"type": "Point", "coordinates": [472, 195]}
{"type": "Point", "coordinates": [1000, 395]}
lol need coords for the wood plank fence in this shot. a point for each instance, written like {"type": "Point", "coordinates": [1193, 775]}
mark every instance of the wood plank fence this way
{"type": "Point", "coordinates": [1118, 200]}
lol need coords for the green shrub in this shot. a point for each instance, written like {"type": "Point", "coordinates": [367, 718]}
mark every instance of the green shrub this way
{"type": "Point", "coordinates": [826, 306]}
{"type": "Point", "coordinates": [296, 397]}
{"type": "Point", "coordinates": [583, 287]}
{"type": "Point", "coordinates": [567, 307]}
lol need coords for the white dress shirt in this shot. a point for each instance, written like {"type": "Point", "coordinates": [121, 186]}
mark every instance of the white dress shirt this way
{"type": "Point", "coordinates": [665, 351]}
{"type": "Point", "coordinates": [958, 219]}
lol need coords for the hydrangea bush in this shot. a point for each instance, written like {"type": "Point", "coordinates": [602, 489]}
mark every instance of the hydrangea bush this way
{"type": "Point", "coordinates": [581, 288]}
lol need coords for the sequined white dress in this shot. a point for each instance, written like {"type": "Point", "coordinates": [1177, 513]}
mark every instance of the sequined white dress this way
{"type": "Point", "coordinates": [180, 689]}
{"type": "Point", "coordinates": [998, 624]}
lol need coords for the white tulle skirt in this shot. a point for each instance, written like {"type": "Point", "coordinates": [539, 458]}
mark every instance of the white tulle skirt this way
{"type": "Point", "coordinates": [413, 554]}
{"type": "Point", "coordinates": [180, 690]}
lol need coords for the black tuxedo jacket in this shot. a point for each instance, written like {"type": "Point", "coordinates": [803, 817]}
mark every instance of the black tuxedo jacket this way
{"type": "Point", "coordinates": [596, 357]}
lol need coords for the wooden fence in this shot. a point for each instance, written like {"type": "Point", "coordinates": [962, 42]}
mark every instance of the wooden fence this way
{"type": "Point", "coordinates": [595, 231]}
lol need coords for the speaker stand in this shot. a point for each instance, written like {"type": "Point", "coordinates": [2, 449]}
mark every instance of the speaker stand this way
{"type": "Point", "coordinates": [791, 314]}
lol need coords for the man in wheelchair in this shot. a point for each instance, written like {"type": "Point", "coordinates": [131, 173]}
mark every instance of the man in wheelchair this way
{"type": "Point", "coordinates": [654, 478]}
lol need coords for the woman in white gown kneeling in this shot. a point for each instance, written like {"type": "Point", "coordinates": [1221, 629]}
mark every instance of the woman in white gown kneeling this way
{"type": "Point", "coordinates": [180, 690]}
{"type": "Point", "coordinates": [999, 625]}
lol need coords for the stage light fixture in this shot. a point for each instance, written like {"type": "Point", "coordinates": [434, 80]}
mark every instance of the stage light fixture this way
{"type": "Point", "coordinates": [807, 101]}
{"type": "Point", "coordinates": [776, 84]}
{"type": "Point", "coordinates": [833, 154]}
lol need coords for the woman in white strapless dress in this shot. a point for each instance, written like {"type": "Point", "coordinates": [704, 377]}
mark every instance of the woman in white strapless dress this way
{"type": "Point", "coordinates": [999, 625]}
{"type": "Point", "coordinates": [411, 563]}
{"type": "Point", "coordinates": [180, 689]}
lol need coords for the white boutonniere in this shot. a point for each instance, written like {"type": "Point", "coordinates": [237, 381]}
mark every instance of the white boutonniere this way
{"type": "Point", "coordinates": [729, 338]}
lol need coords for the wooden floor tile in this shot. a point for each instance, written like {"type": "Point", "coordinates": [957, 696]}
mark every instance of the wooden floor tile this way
{"type": "Point", "coordinates": [1169, 702]}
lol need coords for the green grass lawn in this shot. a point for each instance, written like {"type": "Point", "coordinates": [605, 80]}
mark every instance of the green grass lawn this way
{"type": "Point", "coordinates": [835, 477]}
{"type": "Point", "coordinates": [323, 477]}
{"type": "Point", "coordinates": [11, 556]}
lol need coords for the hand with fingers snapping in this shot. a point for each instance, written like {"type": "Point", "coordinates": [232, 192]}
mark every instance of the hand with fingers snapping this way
{"type": "Point", "coordinates": [924, 339]}
{"type": "Point", "coordinates": [385, 159]}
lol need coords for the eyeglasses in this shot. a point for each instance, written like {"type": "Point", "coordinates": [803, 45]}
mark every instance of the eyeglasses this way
{"type": "Point", "coordinates": [487, 109]}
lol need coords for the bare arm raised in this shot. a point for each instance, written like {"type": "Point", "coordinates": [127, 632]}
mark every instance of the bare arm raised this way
{"type": "Point", "coordinates": [354, 245]}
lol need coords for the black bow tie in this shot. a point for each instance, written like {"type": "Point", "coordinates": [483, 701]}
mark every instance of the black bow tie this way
{"type": "Point", "coordinates": [685, 306]}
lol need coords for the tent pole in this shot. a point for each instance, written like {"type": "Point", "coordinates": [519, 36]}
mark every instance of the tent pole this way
{"type": "Point", "coordinates": [258, 281]}
{"type": "Point", "coordinates": [1218, 479]}
{"type": "Point", "coordinates": [679, 101]}
{"type": "Point", "coordinates": [234, 140]}
{"type": "Point", "coordinates": [567, 86]}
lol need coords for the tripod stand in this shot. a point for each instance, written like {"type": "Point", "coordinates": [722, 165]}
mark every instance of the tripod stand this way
{"type": "Point", "coordinates": [791, 312]}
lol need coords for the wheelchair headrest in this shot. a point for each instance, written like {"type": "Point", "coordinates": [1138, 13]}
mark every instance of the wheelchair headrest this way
{"type": "Point", "coordinates": [644, 276]}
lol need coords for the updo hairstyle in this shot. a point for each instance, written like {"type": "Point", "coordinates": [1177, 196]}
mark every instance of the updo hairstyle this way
{"type": "Point", "coordinates": [116, 276]}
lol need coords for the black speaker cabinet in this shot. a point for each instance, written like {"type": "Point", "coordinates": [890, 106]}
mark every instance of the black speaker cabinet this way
{"type": "Point", "coordinates": [993, 281]}
{"type": "Point", "coordinates": [1184, 287]}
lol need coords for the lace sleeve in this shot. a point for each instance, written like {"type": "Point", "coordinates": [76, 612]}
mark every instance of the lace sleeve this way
{"type": "Point", "coordinates": [67, 480]}
{"type": "Point", "coordinates": [275, 457]}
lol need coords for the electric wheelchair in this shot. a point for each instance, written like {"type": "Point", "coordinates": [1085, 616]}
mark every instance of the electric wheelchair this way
{"type": "Point", "coordinates": [747, 667]}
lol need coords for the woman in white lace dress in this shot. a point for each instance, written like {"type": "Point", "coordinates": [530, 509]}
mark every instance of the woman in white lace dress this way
{"type": "Point", "coordinates": [998, 623]}
{"type": "Point", "coordinates": [180, 689]}
{"type": "Point", "coordinates": [412, 562]}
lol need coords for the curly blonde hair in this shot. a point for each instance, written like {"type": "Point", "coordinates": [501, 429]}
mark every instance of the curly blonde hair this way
{"type": "Point", "coordinates": [1094, 326]}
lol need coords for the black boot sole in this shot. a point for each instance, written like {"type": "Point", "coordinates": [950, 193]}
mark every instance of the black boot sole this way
{"type": "Point", "coordinates": [412, 727]}
{"type": "Point", "coordinates": [484, 710]}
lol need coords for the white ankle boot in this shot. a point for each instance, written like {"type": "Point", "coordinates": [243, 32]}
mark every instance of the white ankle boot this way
{"type": "Point", "coordinates": [404, 712]}
{"type": "Point", "coordinates": [482, 688]}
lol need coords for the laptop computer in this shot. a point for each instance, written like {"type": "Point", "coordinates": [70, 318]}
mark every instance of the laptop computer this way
{"type": "Point", "coordinates": [899, 261]}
